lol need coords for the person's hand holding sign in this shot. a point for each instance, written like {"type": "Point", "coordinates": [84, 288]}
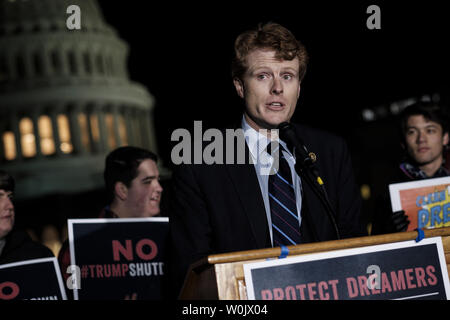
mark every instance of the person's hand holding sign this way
{"type": "Point", "coordinates": [400, 220]}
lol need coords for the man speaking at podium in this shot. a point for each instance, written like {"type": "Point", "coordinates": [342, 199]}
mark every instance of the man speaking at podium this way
{"type": "Point", "coordinates": [232, 207]}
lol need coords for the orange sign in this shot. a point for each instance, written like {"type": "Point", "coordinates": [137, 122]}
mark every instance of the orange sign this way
{"type": "Point", "coordinates": [425, 202]}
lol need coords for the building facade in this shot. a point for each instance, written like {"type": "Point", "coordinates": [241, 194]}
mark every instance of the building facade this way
{"type": "Point", "coordinates": [66, 99]}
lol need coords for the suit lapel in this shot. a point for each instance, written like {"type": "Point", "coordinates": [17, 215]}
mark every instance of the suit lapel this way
{"type": "Point", "coordinates": [308, 225]}
{"type": "Point", "coordinates": [317, 225]}
{"type": "Point", "coordinates": [247, 187]}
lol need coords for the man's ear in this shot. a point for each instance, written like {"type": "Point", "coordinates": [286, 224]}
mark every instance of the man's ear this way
{"type": "Point", "coordinates": [239, 87]}
{"type": "Point", "coordinates": [445, 139]}
{"type": "Point", "coordinates": [121, 190]}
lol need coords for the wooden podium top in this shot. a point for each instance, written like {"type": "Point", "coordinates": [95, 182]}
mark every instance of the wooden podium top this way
{"type": "Point", "coordinates": [221, 276]}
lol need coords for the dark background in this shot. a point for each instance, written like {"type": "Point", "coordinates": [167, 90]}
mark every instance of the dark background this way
{"type": "Point", "coordinates": [182, 53]}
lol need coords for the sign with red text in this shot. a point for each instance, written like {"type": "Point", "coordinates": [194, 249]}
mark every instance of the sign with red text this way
{"type": "Point", "coordinates": [36, 279]}
{"type": "Point", "coordinates": [119, 258]}
{"type": "Point", "coordinates": [401, 270]}
{"type": "Point", "coordinates": [425, 202]}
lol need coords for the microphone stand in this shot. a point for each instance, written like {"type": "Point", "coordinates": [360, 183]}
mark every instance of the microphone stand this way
{"type": "Point", "coordinates": [307, 170]}
{"type": "Point", "coordinates": [304, 166]}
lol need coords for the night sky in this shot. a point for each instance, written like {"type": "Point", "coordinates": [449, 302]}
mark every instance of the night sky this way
{"type": "Point", "coordinates": [182, 53]}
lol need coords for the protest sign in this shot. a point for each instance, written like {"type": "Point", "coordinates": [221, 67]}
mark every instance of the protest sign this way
{"type": "Point", "coordinates": [425, 202]}
{"type": "Point", "coordinates": [119, 258]}
{"type": "Point", "coordinates": [401, 270]}
{"type": "Point", "coordinates": [36, 279]}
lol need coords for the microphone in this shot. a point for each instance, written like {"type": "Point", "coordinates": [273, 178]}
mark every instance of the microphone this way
{"type": "Point", "coordinates": [305, 160]}
{"type": "Point", "coordinates": [287, 134]}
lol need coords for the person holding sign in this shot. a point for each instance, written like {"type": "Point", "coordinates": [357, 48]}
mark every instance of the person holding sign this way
{"type": "Point", "coordinates": [15, 245]}
{"type": "Point", "coordinates": [425, 137]}
{"type": "Point", "coordinates": [132, 183]}
{"type": "Point", "coordinates": [230, 206]}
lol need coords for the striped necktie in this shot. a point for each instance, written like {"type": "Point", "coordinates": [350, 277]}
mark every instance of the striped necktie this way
{"type": "Point", "coordinates": [283, 207]}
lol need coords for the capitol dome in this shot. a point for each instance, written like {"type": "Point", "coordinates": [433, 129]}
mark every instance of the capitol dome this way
{"type": "Point", "coordinates": [66, 99]}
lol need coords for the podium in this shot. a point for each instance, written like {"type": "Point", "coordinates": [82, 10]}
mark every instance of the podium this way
{"type": "Point", "coordinates": [221, 276]}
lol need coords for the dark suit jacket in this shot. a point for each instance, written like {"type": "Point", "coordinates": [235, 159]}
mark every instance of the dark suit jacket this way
{"type": "Point", "coordinates": [219, 208]}
{"type": "Point", "coordinates": [19, 247]}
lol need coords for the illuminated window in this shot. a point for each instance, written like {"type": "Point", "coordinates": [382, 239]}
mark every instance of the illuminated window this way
{"type": "Point", "coordinates": [123, 131]}
{"type": "Point", "coordinates": [64, 133]}
{"type": "Point", "coordinates": [137, 129]}
{"type": "Point", "coordinates": [9, 143]}
{"type": "Point", "coordinates": [93, 119]}
{"type": "Point", "coordinates": [84, 131]}
{"type": "Point", "coordinates": [27, 138]}
{"type": "Point", "coordinates": [46, 135]}
{"type": "Point", "coordinates": [110, 130]}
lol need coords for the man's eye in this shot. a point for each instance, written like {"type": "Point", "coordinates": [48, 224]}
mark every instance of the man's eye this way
{"type": "Point", "coordinates": [262, 76]}
{"type": "Point", "coordinates": [4, 195]}
{"type": "Point", "coordinates": [287, 76]}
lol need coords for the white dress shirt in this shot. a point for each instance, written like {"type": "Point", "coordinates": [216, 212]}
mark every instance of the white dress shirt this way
{"type": "Point", "coordinates": [263, 162]}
